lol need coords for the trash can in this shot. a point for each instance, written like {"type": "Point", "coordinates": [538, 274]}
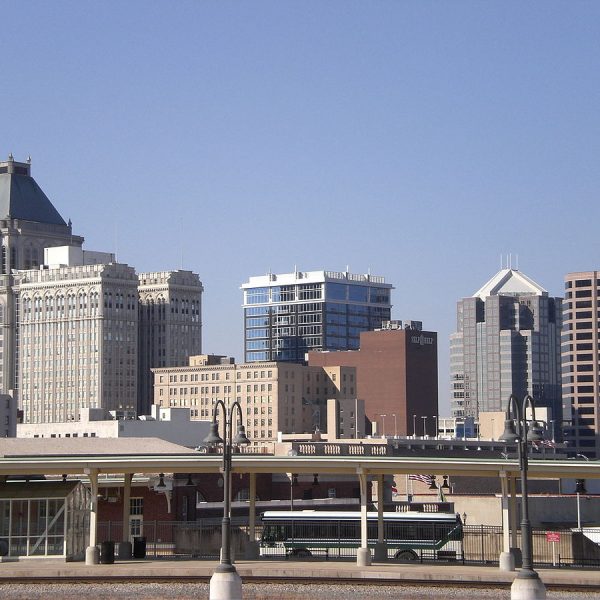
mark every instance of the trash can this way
{"type": "Point", "coordinates": [139, 547]}
{"type": "Point", "coordinates": [123, 550]}
{"type": "Point", "coordinates": [107, 553]}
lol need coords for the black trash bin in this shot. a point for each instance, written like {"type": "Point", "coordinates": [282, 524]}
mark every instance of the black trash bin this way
{"type": "Point", "coordinates": [107, 553]}
{"type": "Point", "coordinates": [139, 547]}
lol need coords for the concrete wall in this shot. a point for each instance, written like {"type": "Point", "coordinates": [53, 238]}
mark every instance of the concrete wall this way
{"type": "Point", "coordinates": [543, 510]}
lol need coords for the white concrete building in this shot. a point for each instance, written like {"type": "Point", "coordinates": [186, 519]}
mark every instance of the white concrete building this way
{"type": "Point", "coordinates": [169, 424]}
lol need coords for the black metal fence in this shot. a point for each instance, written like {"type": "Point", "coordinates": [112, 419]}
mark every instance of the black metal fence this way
{"type": "Point", "coordinates": [481, 544]}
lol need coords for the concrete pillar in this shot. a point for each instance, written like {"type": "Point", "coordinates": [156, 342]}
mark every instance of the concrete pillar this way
{"type": "Point", "coordinates": [92, 553]}
{"type": "Point", "coordinates": [123, 548]}
{"type": "Point", "coordinates": [126, 501]}
{"type": "Point", "coordinates": [380, 546]}
{"type": "Point", "coordinates": [507, 560]}
{"type": "Point", "coordinates": [252, 549]}
{"type": "Point", "coordinates": [363, 554]}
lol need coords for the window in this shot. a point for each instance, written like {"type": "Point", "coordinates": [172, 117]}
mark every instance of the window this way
{"type": "Point", "coordinates": [136, 506]}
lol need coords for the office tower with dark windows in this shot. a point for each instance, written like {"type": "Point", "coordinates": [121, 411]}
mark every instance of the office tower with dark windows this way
{"type": "Point", "coordinates": [507, 341]}
{"type": "Point", "coordinates": [580, 362]}
{"type": "Point", "coordinates": [288, 315]}
{"type": "Point", "coordinates": [170, 326]}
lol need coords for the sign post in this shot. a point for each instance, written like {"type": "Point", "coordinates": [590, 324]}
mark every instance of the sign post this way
{"type": "Point", "coordinates": [553, 537]}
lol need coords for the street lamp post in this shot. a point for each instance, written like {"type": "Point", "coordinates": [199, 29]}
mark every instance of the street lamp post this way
{"type": "Point", "coordinates": [226, 584]}
{"type": "Point", "coordinates": [424, 419]}
{"type": "Point", "coordinates": [527, 584]}
{"type": "Point", "coordinates": [383, 425]}
{"type": "Point", "coordinates": [395, 425]}
{"type": "Point", "coordinates": [415, 426]}
{"type": "Point", "coordinates": [436, 426]}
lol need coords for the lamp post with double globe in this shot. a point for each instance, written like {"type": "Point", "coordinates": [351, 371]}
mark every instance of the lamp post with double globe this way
{"type": "Point", "coordinates": [226, 584]}
{"type": "Point", "coordinates": [517, 429]}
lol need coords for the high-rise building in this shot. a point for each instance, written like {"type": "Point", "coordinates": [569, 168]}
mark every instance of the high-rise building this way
{"type": "Point", "coordinates": [29, 224]}
{"type": "Point", "coordinates": [77, 339]}
{"type": "Point", "coordinates": [170, 327]}
{"type": "Point", "coordinates": [581, 362]}
{"type": "Point", "coordinates": [507, 341]}
{"type": "Point", "coordinates": [275, 397]}
{"type": "Point", "coordinates": [69, 321]}
{"type": "Point", "coordinates": [288, 315]}
{"type": "Point", "coordinates": [396, 373]}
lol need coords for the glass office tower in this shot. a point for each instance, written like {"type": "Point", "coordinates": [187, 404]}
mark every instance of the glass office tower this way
{"type": "Point", "coordinates": [288, 315]}
{"type": "Point", "coordinates": [507, 342]}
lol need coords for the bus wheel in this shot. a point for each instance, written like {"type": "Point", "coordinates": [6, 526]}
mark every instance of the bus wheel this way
{"type": "Point", "coordinates": [406, 555]}
{"type": "Point", "coordinates": [303, 553]}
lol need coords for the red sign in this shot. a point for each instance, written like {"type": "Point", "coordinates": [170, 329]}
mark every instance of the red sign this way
{"type": "Point", "coordinates": [552, 536]}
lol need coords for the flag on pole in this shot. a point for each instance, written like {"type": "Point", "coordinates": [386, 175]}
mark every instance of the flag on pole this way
{"type": "Point", "coordinates": [427, 479]}
{"type": "Point", "coordinates": [441, 495]}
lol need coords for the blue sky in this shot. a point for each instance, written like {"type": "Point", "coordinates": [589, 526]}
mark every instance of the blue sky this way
{"type": "Point", "coordinates": [419, 140]}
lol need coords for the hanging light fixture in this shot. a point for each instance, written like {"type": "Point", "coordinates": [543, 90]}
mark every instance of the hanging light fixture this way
{"type": "Point", "coordinates": [161, 481]}
{"type": "Point", "coordinates": [315, 479]}
{"type": "Point", "coordinates": [189, 482]}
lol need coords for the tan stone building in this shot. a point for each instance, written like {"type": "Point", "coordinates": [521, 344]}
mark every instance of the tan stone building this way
{"type": "Point", "coordinates": [580, 356]}
{"type": "Point", "coordinates": [170, 325]}
{"type": "Point", "coordinates": [275, 397]}
{"type": "Point", "coordinates": [29, 224]}
{"type": "Point", "coordinates": [71, 335]}
{"type": "Point", "coordinates": [77, 340]}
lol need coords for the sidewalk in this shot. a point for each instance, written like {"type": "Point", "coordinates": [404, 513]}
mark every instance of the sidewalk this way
{"type": "Point", "coordinates": [47, 569]}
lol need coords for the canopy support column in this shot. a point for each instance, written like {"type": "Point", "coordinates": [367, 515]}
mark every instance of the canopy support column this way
{"type": "Point", "coordinates": [92, 553]}
{"type": "Point", "coordinates": [380, 546]}
{"type": "Point", "coordinates": [363, 554]}
{"type": "Point", "coordinates": [124, 546]}
{"type": "Point", "coordinates": [507, 560]}
{"type": "Point", "coordinates": [252, 549]}
{"type": "Point", "coordinates": [513, 519]}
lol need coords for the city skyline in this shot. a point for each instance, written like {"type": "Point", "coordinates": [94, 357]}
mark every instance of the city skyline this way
{"type": "Point", "coordinates": [420, 141]}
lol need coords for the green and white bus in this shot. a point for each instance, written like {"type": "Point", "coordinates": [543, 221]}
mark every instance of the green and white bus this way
{"type": "Point", "coordinates": [408, 535]}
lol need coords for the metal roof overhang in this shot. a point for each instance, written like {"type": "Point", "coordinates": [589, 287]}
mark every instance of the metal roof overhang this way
{"type": "Point", "coordinates": [247, 463]}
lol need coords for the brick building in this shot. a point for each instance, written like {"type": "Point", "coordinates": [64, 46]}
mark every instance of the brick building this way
{"type": "Point", "coordinates": [396, 375]}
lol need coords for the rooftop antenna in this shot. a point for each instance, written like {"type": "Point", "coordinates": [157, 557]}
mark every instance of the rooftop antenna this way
{"type": "Point", "coordinates": [510, 261]}
{"type": "Point", "coordinates": [501, 263]}
{"type": "Point", "coordinates": [181, 237]}
{"type": "Point", "coordinates": [517, 267]}
{"type": "Point", "coordinates": [116, 240]}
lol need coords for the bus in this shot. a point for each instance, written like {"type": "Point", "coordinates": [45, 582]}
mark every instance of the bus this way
{"type": "Point", "coordinates": [408, 535]}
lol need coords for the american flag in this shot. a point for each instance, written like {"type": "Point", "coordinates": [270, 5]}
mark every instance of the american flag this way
{"type": "Point", "coordinates": [546, 443]}
{"type": "Point", "coordinates": [428, 479]}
